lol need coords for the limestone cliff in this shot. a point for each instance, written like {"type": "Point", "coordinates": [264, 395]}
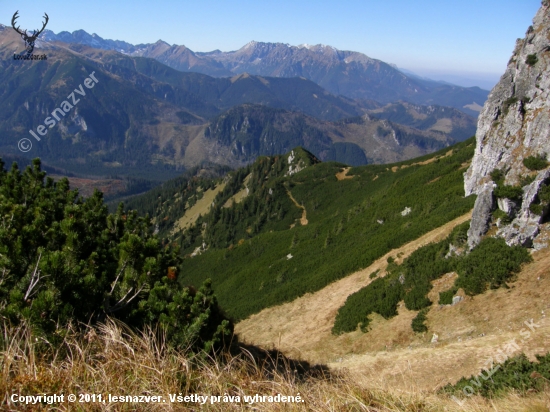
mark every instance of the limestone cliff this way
{"type": "Point", "coordinates": [514, 125]}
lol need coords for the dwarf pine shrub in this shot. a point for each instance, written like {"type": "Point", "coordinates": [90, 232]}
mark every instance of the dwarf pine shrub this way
{"type": "Point", "coordinates": [516, 373]}
{"type": "Point", "coordinates": [418, 324]}
{"type": "Point", "coordinates": [536, 162]}
{"type": "Point", "coordinates": [67, 259]}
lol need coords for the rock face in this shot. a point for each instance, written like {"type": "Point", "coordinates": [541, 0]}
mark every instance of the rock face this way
{"type": "Point", "coordinates": [525, 227]}
{"type": "Point", "coordinates": [513, 125]}
{"type": "Point", "coordinates": [481, 215]}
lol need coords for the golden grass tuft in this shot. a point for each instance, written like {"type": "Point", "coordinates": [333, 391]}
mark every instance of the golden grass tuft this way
{"type": "Point", "coordinates": [113, 359]}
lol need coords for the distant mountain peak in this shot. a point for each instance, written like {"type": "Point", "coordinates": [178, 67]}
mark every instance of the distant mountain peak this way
{"type": "Point", "coordinates": [93, 40]}
{"type": "Point", "coordinates": [341, 72]}
{"type": "Point", "coordinates": [263, 45]}
{"type": "Point", "coordinates": [316, 47]}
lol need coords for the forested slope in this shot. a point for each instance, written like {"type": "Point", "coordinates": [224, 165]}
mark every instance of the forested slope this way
{"type": "Point", "coordinates": [257, 252]}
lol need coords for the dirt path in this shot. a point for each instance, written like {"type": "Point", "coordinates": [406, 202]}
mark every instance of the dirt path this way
{"type": "Point", "coordinates": [344, 174]}
{"type": "Point", "coordinates": [424, 163]}
{"type": "Point", "coordinates": [303, 219]}
{"type": "Point", "coordinates": [303, 327]}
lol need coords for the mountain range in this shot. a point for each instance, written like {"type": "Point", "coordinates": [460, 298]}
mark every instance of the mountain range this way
{"type": "Point", "coordinates": [346, 73]}
{"type": "Point", "coordinates": [148, 120]}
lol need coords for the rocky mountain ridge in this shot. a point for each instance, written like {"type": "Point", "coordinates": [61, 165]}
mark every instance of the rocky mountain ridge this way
{"type": "Point", "coordinates": [457, 124]}
{"type": "Point", "coordinates": [348, 73]}
{"type": "Point", "coordinates": [247, 131]}
{"type": "Point", "coordinates": [514, 130]}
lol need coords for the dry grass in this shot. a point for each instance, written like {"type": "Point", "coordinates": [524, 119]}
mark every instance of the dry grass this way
{"type": "Point", "coordinates": [443, 125]}
{"type": "Point", "coordinates": [113, 360]}
{"type": "Point", "coordinates": [434, 180]}
{"type": "Point", "coordinates": [469, 334]}
{"type": "Point", "coordinates": [240, 195]}
{"type": "Point", "coordinates": [424, 163]}
{"type": "Point", "coordinates": [202, 207]}
{"type": "Point", "coordinates": [465, 165]}
{"type": "Point", "coordinates": [86, 187]}
{"type": "Point", "coordinates": [474, 106]}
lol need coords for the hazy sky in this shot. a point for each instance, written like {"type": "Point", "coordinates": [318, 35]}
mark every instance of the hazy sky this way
{"type": "Point", "coordinates": [467, 38]}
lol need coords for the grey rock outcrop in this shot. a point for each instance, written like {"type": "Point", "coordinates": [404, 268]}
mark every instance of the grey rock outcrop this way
{"type": "Point", "coordinates": [513, 125]}
{"type": "Point", "coordinates": [481, 215]}
{"type": "Point", "coordinates": [508, 206]}
{"type": "Point", "coordinates": [525, 227]}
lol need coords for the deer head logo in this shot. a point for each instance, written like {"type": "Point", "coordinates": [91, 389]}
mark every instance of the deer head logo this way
{"type": "Point", "coordinates": [29, 40]}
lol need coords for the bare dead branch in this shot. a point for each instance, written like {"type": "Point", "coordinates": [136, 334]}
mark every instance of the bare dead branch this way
{"type": "Point", "coordinates": [35, 278]}
{"type": "Point", "coordinates": [117, 277]}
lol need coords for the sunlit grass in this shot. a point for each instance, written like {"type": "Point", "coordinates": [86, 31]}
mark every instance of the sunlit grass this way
{"type": "Point", "coordinates": [111, 359]}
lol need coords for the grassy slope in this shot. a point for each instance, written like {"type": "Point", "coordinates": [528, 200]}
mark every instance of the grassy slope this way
{"type": "Point", "coordinates": [114, 360]}
{"type": "Point", "coordinates": [303, 327]}
{"type": "Point", "coordinates": [470, 333]}
{"type": "Point", "coordinates": [343, 234]}
{"type": "Point", "coordinates": [391, 354]}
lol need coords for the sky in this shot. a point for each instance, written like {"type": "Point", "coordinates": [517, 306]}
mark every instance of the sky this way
{"type": "Point", "coordinates": [469, 41]}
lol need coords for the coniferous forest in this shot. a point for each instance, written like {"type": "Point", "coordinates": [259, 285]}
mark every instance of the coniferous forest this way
{"type": "Point", "coordinates": [65, 259]}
